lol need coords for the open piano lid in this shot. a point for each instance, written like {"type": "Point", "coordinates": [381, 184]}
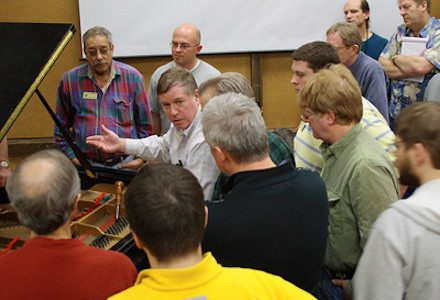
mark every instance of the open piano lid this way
{"type": "Point", "coordinates": [29, 51]}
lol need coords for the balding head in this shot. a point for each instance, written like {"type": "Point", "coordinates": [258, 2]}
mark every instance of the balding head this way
{"type": "Point", "coordinates": [186, 45]}
{"type": "Point", "coordinates": [189, 30]}
{"type": "Point", "coordinates": [43, 190]}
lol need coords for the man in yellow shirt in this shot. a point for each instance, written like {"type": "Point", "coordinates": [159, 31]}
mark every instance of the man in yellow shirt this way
{"type": "Point", "coordinates": [168, 217]}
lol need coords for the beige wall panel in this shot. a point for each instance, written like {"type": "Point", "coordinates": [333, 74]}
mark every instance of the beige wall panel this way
{"type": "Point", "coordinates": [279, 98]}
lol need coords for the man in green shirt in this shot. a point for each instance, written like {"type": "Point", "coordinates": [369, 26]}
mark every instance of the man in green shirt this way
{"type": "Point", "coordinates": [360, 178]}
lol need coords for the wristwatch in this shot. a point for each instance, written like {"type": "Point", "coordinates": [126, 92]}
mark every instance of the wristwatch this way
{"type": "Point", "coordinates": [4, 164]}
{"type": "Point", "coordinates": [393, 58]}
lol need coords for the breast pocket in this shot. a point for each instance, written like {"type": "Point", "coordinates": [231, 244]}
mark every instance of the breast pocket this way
{"type": "Point", "coordinates": [335, 216]}
{"type": "Point", "coordinates": [125, 112]}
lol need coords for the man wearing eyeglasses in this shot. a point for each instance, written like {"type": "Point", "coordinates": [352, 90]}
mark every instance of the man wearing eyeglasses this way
{"type": "Point", "coordinates": [102, 92]}
{"type": "Point", "coordinates": [359, 176]}
{"type": "Point", "coordinates": [370, 75]}
{"type": "Point", "coordinates": [307, 60]}
{"type": "Point", "coordinates": [185, 45]}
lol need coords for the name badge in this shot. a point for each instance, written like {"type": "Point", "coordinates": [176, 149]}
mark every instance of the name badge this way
{"type": "Point", "coordinates": [90, 95]}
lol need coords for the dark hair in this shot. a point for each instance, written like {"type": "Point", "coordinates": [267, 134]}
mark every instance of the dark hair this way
{"type": "Point", "coordinates": [418, 123]}
{"type": "Point", "coordinates": [366, 8]}
{"type": "Point", "coordinates": [317, 54]}
{"type": "Point", "coordinates": [165, 208]}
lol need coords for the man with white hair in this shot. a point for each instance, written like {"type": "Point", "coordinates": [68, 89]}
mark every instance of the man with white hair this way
{"type": "Point", "coordinates": [267, 210]}
{"type": "Point", "coordinates": [44, 190]}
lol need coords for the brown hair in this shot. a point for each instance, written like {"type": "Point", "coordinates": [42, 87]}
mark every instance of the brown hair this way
{"type": "Point", "coordinates": [418, 123]}
{"type": "Point", "coordinates": [175, 76]}
{"type": "Point", "coordinates": [333, 89]}
{"type": "Point", "coordinates": [317, 54]}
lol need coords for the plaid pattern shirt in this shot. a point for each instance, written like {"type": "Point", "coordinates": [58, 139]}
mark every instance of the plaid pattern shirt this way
{"type": "Point", "coordinates": [278, 152]}
{"type": "Point", "coordinates": [82, 107]}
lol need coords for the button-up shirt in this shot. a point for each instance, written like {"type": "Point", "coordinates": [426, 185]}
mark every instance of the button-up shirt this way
{"type": "Point", "coordinates": [185, 147]}
{"type": "Point", "coordinates": [404, 92]}
{"type": "Point", "coordinates": [82, 107]}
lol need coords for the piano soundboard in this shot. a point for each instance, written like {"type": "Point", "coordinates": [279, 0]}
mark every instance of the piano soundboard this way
{"type": "Point", "coordinates": [94, 222]}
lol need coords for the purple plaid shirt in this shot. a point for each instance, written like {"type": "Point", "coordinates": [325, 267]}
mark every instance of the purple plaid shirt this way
{"type": "Point", "coordinates": [82, 107]}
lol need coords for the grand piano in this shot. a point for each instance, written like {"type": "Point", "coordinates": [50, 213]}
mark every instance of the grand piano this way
{"type": "Point", "coordinates": [31, 49]}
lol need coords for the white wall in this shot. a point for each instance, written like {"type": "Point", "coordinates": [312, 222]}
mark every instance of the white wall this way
{"type": "Point", "coordinates": [144, 27]}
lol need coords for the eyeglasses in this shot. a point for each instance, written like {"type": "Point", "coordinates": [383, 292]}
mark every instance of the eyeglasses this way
{"type": "Point", "coordinates": [183, 46]}
{"type": "Point", "coordinates": [340, 47]}
{"type": "Point", "coordinates": [94, 51]}
{"type": "Point", "coordinates": [306, 118]}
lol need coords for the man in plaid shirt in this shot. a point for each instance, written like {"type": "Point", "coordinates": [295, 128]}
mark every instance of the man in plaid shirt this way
{"type": "Point", "coordinates": [102, 92]}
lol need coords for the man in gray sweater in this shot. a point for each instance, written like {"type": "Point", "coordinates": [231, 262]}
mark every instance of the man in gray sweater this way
{"type": "Point", "coordinates": [401, 258]}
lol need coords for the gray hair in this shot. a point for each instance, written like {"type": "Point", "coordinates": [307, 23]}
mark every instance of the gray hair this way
{"type": "Point", "coordinates": [43, 189]}
{"type": "Point", "coordinates": [233, 122]}
{"type": "Point", "coordinates": [227, 82]}
{"type": "Point", "coordinates": [97, 30]}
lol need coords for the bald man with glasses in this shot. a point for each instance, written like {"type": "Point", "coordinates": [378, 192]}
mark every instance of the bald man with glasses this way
{"type": "Point", "coordinates": [185, 45]}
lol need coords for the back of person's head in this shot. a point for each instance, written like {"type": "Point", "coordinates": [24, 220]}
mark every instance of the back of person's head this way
{"type": "Point", "coordinates": [166, 210]}
{"type": "Point", "coordinates": [333, 89]}
{"type": "Point", "coordinates": [227, 82]}
{"type": "Point", "coordinates": [43, 189]}
{"type": "Point", "coordinates": [233, 122]}
{"type": "Point", "coordinates": [317, 54]}
{"type": "Point", "coordinates": [97, 30]}
{"type": "Point", "coordinates": [418, 123]}
{"type": "Point", "coordinates": [176, 76]}
{"type": "Point", "coordinates": [348, 32]}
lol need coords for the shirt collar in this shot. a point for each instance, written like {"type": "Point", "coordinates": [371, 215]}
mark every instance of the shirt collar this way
{"type": "Point", "coordinates": [337, 148]}
{"type": "Point", "coordinates": [425, 30]}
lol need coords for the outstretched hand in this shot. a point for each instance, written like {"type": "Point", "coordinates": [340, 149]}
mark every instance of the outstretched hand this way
{"type": "Point", "coordinates": [108, 142]}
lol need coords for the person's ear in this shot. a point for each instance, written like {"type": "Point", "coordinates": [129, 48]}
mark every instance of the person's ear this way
{"type": "Point", "coordinates": [206, 216]}
{"type": "Point", "coordinates": [355, 48]}
{"type": "Point", "coordinates": [196, 95]}
{"type": "Point", "coordinates": [219, 154]}
{"type": "Point", "coordinates": [75, 206]}
{"type": "Point", "coordinates": [199, 48]}
{"type": "Point", "coordinates": [137, 241]}
{"type": "Point", "coordinates": [330, 117]}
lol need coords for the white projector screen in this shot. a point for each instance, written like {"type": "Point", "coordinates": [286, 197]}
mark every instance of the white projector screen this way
{"type": "Point", "coordinates": [145, 27]}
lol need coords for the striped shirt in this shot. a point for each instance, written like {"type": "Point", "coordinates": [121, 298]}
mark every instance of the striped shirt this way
{"type": "Point", "coordinates": [82, 107]}
{"type": "Point", "coordinates": [306, 147]}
